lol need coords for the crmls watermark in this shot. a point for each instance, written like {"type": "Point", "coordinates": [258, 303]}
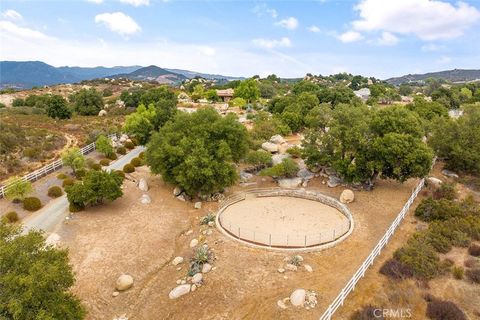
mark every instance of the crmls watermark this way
{"type": "Point", "coordinates": [392, 313]}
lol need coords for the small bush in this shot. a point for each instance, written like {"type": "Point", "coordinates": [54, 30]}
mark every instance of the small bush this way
{"type": "Point", "coordinates": [121, 150]}
{"type": "Point", "coordinates": [134, 141]}
{"type": "Point", "coordinates": [96, 166]}
{"type": "Point", "coordinates": [55, 192]}
{"type": "Point", "coordinates": [141, 155]}
{"type": "Point", "coordinates": [444, 310]}
{"type": "Point", "coordinates": [201, 256]}
{"type": "Point", "coordinates": [136, 162]}
{"type": "Point", "coordinates": [287, 168]}
{"type": "Point", "coordinates": [73, 207]}
{"type": "Point", "coordinates": [12, 217]}
{"type": "Point", "coordinates": [474, 250]}
{"type": "Point", "coordinates": [295, 151]}
{"type": "Point", "coordinates": [295, 260]}
{"type": "Point", "coordinates": [206, 219]}
{"type": "Point", "coordinates": [446, 191]}
{"type": "Point", "coordinates": [128, 168]}
{"type": "Point", "coordinates": [258, 158]}
{"type": "Point", "coordinates": [367, 313]}
{"type": "Point", "coordinates": [120, 173]}
{"type": "Point", "coordinates": [443, 209]}
{"type": "Point", "coordinates": [112, 156]}
{"type": "Point", "coordinates": [474, 275]}
{"type": "Point", "coordinates": [80, 173]}
{"type": "Point", "coordinates": [68, 182]}
{"type": "Point", "coordinates": [458, 272]}
{"type": "Point", "coordinates": [32, 204]}
{"type": "Point", "coordinates": [61, 176]}
{"type": "Point", "coordinates": [394, 269]}
{"type": "Point", "coordinates": [104, 162]}
{"type": "Point", "coordinates": [420, 257]}
{"type": "Point", "coordinates": [129, 145]}
{"type": "Point", "coordinates": [471, 263]}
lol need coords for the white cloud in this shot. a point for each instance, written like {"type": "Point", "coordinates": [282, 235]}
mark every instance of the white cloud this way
{"type": "Point", "coordinates": [427, 19]}
{"type": "Point", "coordinates": [387, 39]}
{"type": "Point", "coordinates": [313, 29]}
{"type": "Point", "coordinates": [290, 23]}
{"type": "Point", "coordinates": [12, 15]}
{"type": "Point", "coordinates": [272, 43]}
{"type": "Point", "coordinates": [429, 47]}
{"type": "Point", "coordinates": [262, 9]}
{"type": "Point", "coordinates": [95, 1]}
{"type": "Point", "coordinates": [136, 3]}
{"type": "Point", "coordinates": [8, 27]}
{"type": "Point", "coordinates": [118, 22]}
{"type": "Point", "coordinates": [350, 36]}
{"type": "Point", "coordinates": [208, 51]}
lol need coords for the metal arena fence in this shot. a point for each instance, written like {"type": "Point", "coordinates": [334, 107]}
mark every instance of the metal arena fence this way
{"type": "Point", "coordinates": [49, 168]}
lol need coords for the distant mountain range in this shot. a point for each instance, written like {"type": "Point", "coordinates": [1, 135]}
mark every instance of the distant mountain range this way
{"type": "Point", "coordinates": [27, 74]}
{"type": "Point", "coordinates": [455, 75]}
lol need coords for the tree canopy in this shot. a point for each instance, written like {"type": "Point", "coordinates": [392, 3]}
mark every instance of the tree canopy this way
{"type": "Point", "coordinates": [18, 188]}
{"type": "Point", "coordinates": [196, 151]}
{"type": "Point", "coordinates": [248, 90]}
{"type": "Point", "coordinates": [57, 108]}
{"type": "Point", "coordinates": [88, 102]}
{"type": "Point", "coordinates": [35, 278]}
{"type": "Point", "coordinates": [73, 158]}
{"type": "Point", "coordinates": [104, 145]}
{"type": "Point", "coordinates": [140, 123]}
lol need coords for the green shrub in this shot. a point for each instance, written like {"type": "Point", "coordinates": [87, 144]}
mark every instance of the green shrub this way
{"type": "Point", "coordinates": [446, 191]}
{"type": "Point", "coordinates": [68, 182]}
{"type": "Point", "coordinates": [121, 150]}
{"type": "Point", "coordinates": [31, 204]}
{"type": "Point", "coordinates": [201, 256]}
{"type": "Point", "coordinates": [73, 207]}
{"type": "Point", "coordinates": [443, 209]}
{"type": "Point", "coordinates": [208, 218]}
{"type": "Point", "coordinates": [136, 162]}
{"type": "Point", "coordinates": [104, 162]}
{"type": "Point", "coordinates": [394, 269]}
{"type": "Point", "coordinates": [12, 217]}
{"type": "Point", "coordinates": [295, 151]}
{"type": "Point", "coordinates": [134, 141]}
{"type": "Point", "coordinates": [80, 173]}
{"type": "Point", "coordinates": [474, 275]}
{"type": "Point", "coordinates": [474, 250]}
{"type": "Point", "coordinates": [61, 176]}
{"type": "Point", "coordinates": [129, 145]}
{"type": "Point", "coordinates": [120, 173]}
{"type": "Point", "coordinates": [287, 168]}
{"type": "Point", "coordinates": [457, 272]}
{"type": "Point", "coordinates": [258, 158]}
{"type": "Point", "coordinates": [128, 168]}
{"type": "Point", "coordinates": [141, 155]}
{"type": "Point", "coordinates": [55, 192]}
{"type": "Point", "coordinates": [420, 257]}
{"type": "Point", "coordinates": [112, 156]}
{"type": "Point", "coordinates": [96, 166]}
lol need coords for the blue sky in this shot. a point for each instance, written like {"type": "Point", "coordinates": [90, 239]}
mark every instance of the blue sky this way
{"type": "Point", "coordinates": [289, 38]}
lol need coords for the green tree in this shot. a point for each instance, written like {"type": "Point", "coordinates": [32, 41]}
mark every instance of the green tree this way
{"type": "Point", "coordinates": [396, 119]}
{"type": "Point", "coordinates": [140, 123]}
{"type": "Point", "coordinates": [104, 145]}
{"type": "Point", "coordinates": [405, 89]}
{"type": "Point", "coordinates": [18, 188]}
{"type": "Point", "coordinates": [211, 95]}
{"type": "Point", "coordinates": [35, 278]}
{"type": "Point", "coordinates": [132, 97]}
{"type": "Point", "coordinates": [428, 110]}
{"type": "Point", "coordinates": [57, 108]}
{"type": "Point", "coordinates": [248, 90]}
{"type": "Point", "coordinates": [73, 158]}
{"type": "Point", "coordinates": [95, 188]}
{"type": "Point", "coordinates": [196, 151]}
{"type": "Point", "coordinates": [287, 168]}
{"type": "Point", "coordinates": [198, 92]}
{"type": "Point", "coordinates": [88, 102]}
{"type": "Point", "coordinates": [237, 103]}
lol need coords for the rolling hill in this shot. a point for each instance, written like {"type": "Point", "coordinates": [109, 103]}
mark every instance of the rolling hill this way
{"type": "Point", "coordinates": [153, 73]}
{"type": "Point", "coordinates": [455, 75]}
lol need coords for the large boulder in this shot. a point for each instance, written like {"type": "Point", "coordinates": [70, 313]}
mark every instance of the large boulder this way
{"type": "Point", "coordinates": [124, 282]}
{"type": "Point", "coordinates": [305, 174]}
{"type": "Point", "coordinates": [290, 183]}
{"type": "Point", "coordinates": [333, 181]}
{"type": "Point", "coordinates": [297, 298]}
{"type": "Point", "coordinates": [179, 291]}
{"type": "Point", "coordinates": [177, 191]}
{"type": "Point", "coordinates": [102, 113]}
{"type": "Point", "coordinates": [347, 196]}
{"type": "Point", "coordinates": [145, 199]}
{"type": "Point", "coordinates": [245, 176]}
{"type": "Point", "coordinates": [436, 183]}
{"type": "Point", "coordinates": [270, 147]}
{"type": "Point", "coordinates": [206, 268]}
{"type": "Point", "coordinates": [450, 174]}
{"type": "Point", "coordinates": [278, 158]}
{"type": "Point", "coordinates": [143, 185]}
{"type": "Point", "coordinates": [277, 139]}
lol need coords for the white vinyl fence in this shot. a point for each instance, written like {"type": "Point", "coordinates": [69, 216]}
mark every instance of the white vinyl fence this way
{"type": "Point", "coordinates": [339, 300]}
{"type": "Point", "coordinates": [49, 168]}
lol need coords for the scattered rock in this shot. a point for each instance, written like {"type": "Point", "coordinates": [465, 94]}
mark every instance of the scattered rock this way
{"type": "Point", "coordinates": [183, 281]}
{"type": "Point", "coordinates": [436, 183]}
{"type": "Point", "coordinates": [189, 232]}
{"type": "Point", "coordinates": [333, 181]}
{"type": "Point", "coordinates": [194, 287]}
{"type": "Point", "coordinates": [347, 196]}
{"type": "Point", "coordinates": [181, 198]}
{"type": "Point", "coordinates": [291, 267]}
{"type": "Point", "coordinates": [245, 176]}
{"type": "Point", "coordinates": [305, 183]}
{"type": "Point", "coordinates": [145, 199]}
{"type": "Point", "coordinates": [305, 174]}
{"type": "Point", "coordinates": [290, 183]}
{"type": "Point", "coordinates": [298, 258]}
{"type": "Point", "coordinates": [308, 267]}
{"type": "Point", "coordinates": [206, 268]}
{"type": "Point", "coordinates": [177, 191]}
{"type": "Point", "coordinates": [124, 282]}
{"type": "Point", "coordinates": [297, 298]}
{"type": "Point", "coordinates": [281, 270]}
{"type": "Point", "coordinates": [281, 305]}
{"type": "Point", "coordinates": [193, 243]}
{"type": "Point", "coordinates": [278, 158]}
{"type": "Point", "coordinates": [179, 281]}
{"type": "Point", "coordinates": [122, 317]}
{"type": "Point", "coordinates": [142, 185]}
{"type": "Point", "coordinates": [115, 293]}
{"type": "Point", "coordinates": [211, 223]}
{"type": "Point", "coordinates": [277, 139]}
{"type": "Point", "coordinates": [209, 232]}
{"type": "Point", "coordinates": [179, 268]}
{"type": "Point", "coordinates": [198, 205]}
{"type": "Point", "coordinates": [102, 113]}
{"type": "Point", "coordinates": [197, 278]}
{"type": "Point", "coordinates": [179, 291]}
{"type": "Point", "coordinates": [177, 261]}
{"type": "Point", "coordinates": [450, 174]}
{"type": "Point", "coordinates": [270, 147]}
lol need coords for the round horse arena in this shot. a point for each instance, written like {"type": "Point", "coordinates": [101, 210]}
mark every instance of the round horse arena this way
{"type": "Point", "coordinates": [284, 219]}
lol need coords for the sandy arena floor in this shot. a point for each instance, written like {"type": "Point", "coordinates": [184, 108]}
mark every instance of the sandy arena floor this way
{"type": "Point", "coordinates": [288, 220]}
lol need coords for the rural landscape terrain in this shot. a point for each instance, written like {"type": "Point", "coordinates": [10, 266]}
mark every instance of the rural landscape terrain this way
{"type": "Point", "coordinates": [139, 191]}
